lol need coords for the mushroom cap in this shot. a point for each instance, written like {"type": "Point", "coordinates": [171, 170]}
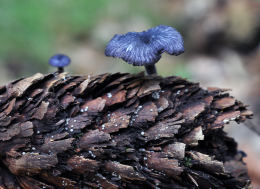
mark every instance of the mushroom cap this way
{"type": "Point", "coordinates": [59, 60]}
{"type": "Point", "coordinates": [145, 48]}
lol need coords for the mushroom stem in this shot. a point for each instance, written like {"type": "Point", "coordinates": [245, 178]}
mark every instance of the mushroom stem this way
{"type": "Point", "coordinates": [60, 69]}
{"type": "Point", "coordinates": [150, 69]}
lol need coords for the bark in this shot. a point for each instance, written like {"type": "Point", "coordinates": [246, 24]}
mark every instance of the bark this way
{"type": "Point", "coordinates": [118, 131]}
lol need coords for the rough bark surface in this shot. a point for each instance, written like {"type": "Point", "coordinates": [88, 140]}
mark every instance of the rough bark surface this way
{"type": "Point", "coordinates": [118, 131]}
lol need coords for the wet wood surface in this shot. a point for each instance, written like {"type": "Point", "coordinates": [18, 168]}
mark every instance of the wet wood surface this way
{"type": "Point", "coordinates": [118, 131]}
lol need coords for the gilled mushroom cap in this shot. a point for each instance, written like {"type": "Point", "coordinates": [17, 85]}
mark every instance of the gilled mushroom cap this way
{"type": "Point", "coordinates": [59, 60]}
{"type": "Point", "coordinates": [145, 48]}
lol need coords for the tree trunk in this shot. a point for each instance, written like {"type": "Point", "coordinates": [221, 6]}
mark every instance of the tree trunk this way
{"type": "Point", "coordinates": [118, 131]}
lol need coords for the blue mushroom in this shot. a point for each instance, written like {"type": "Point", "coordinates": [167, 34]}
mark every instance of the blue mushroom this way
{"type": "Point", "coordinates": [59, 61]}
{"type": "Point", "coordinates": [145, 48]}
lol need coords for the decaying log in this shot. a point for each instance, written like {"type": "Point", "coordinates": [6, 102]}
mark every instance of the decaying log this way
{"type": "Point", "coordinates": [118, 131]}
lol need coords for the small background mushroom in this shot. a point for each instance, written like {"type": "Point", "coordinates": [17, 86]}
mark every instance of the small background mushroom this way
{"type": "Point", "coordinates": [60, 61]}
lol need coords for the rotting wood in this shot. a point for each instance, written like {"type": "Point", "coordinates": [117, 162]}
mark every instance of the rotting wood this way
{"type": "Point", "coordinates": [118, 131]}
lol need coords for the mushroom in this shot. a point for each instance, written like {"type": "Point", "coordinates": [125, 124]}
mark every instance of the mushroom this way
{"type": "Point", "coordinates": [145, 48]}
{"type": "Point", "coordinates": [59, 61]}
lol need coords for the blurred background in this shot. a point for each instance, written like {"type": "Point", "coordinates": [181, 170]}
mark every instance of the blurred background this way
{"type": "Point", "coordinates": [222, 43]}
